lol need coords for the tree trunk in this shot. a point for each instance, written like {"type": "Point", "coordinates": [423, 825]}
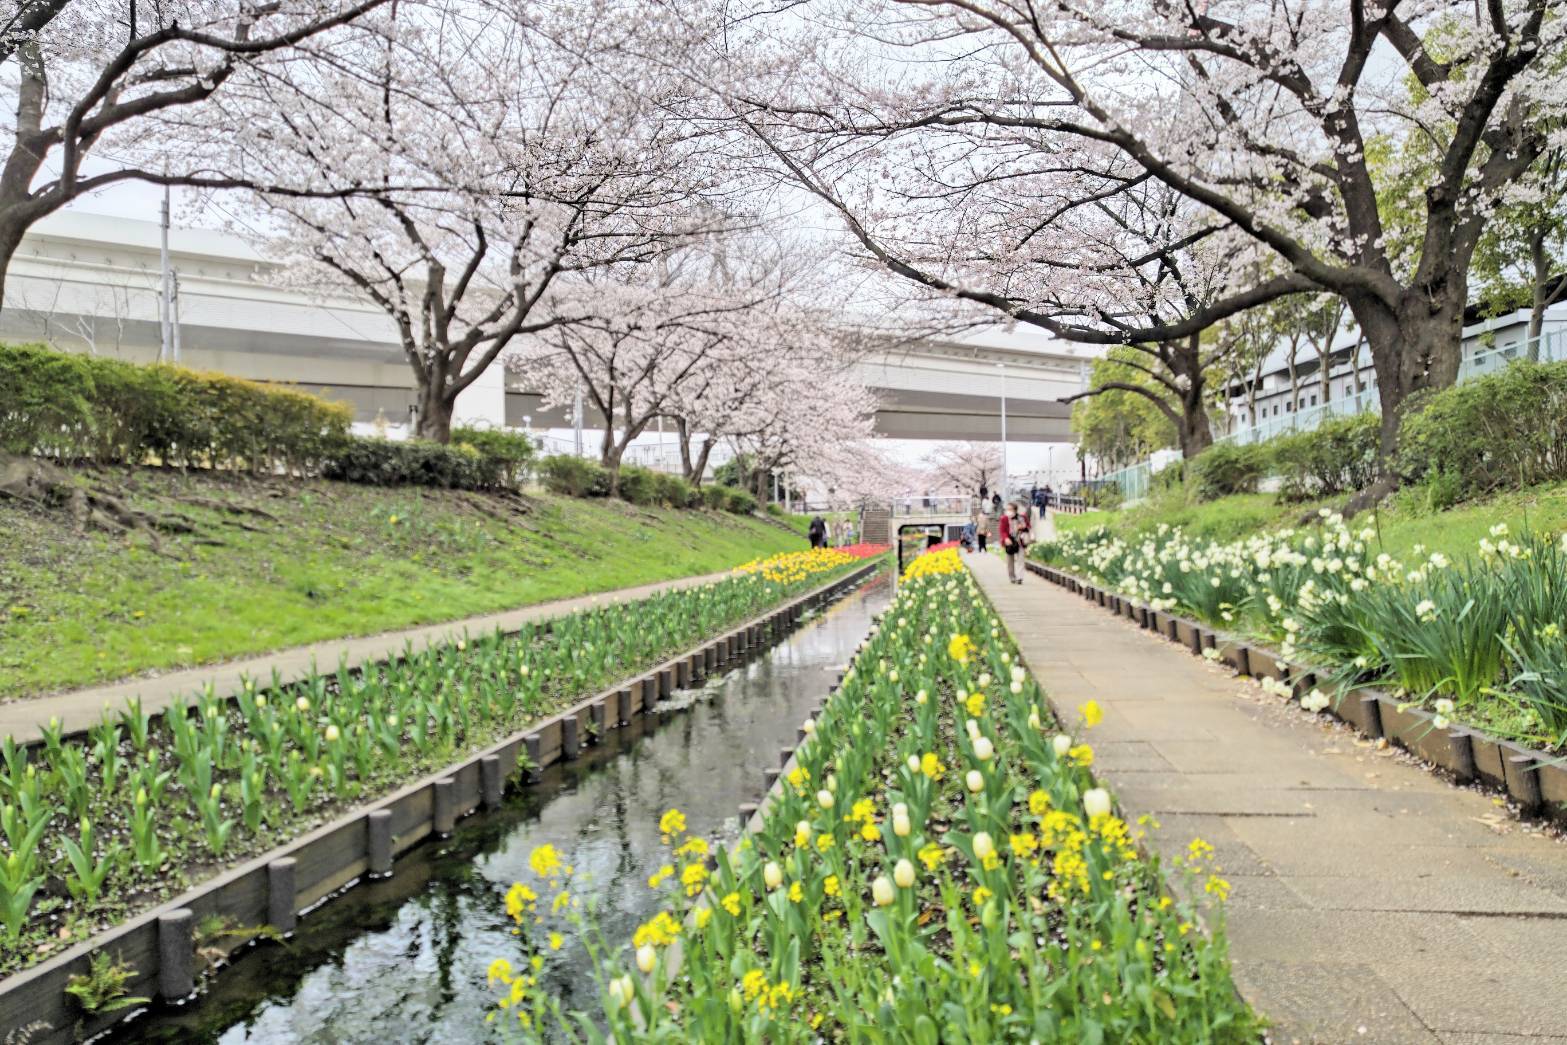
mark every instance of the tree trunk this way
{"type": "Point", "coordinates": [1196, 434]}
{"type": "Point", "coordinates": [435, 408]}
{"type": "Point", "coordinates": [10, 241]}
{"type": "Point", "coordinates": [1537, 303]}
{"type": "Point", "coordinates": [1193, 429]}
{"type": "Point", "coordinates": [611, 458]}
{"type": "Point", "coordinates": [1414, 348]}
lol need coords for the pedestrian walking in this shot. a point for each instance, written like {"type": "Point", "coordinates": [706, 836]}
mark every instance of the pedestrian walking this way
{"type": "Point", "coordinates": [970, 530]}
{"type": "Point", "coordinates": [982, 529]}
{"type": "Point", "coordinates": [1015, 533]}
{"type": "Point", "coordinates": [995, 503]}
{"type": "Point", "coordinates": [818, 532]}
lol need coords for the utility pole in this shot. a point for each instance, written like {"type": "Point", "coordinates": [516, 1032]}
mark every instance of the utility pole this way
{"type": "Point", "coordinates": [1004, 492]}
{"type": "Point", "coordinates": [176, 323]}
{"type": "Point", "coordinates": [576, 412]}
{"type": "Point", "coordinates": [165, 299]}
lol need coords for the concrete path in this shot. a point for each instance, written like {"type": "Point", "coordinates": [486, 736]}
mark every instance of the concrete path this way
{"type": "Point", "coordinates": [81, 709]}
{"type": "Point", "coordinates": [1372, 902]}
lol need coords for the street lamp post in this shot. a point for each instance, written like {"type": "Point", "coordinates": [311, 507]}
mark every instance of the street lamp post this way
{"type": "Point", "coordinates": [1002, 367]}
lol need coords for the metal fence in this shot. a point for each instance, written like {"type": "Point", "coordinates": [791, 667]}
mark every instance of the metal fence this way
{"type": "Point", "coordinates": [1134, 481]}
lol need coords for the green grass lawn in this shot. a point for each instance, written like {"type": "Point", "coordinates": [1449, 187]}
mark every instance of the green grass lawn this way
{"type": "Point", "coordinates": [1402, 522]}
{"type": "Point", "coordinates": [337, 560]}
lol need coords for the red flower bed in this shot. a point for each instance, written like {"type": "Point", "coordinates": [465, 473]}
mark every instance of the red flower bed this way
{"type": "Point", "coordinates": [943, 546]}
{"type": "Point", "coordinates": [865, 551]}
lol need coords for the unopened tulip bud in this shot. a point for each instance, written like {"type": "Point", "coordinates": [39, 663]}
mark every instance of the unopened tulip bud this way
{"type": "Point", "coordinates": [983, 749]}
{"type": "Point", "coordinates": [772, 875]}
{"type": "Point", "coordinates": [914, 763]}
{"type": "Point", "coordinates": [975, 781]}
{"type": "Point", "coordinates": [903, 874]}
{"type": "Point", "coordinates": [881, 891]}
{"type": "Point", "coordinates": [646, 957]}
{"type": "Point", "coordinates": [824, 799]}
{"type": "Point", "coordinates": [808, 727]}
{"type": "Point", "coordinates": [984, 846]}
{"type": "Point", "coordinates": [1096, 802]}
{"type": "Point", "coordinates": [1062, 744]}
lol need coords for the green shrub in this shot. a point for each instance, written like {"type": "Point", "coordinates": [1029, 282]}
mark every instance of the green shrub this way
{"type": "Point", "coordinates": [508, 453]}
{"type": "Point", "coordinates": [573, 476]}
{"type": "Point", "coordinates": [675, 491]}
{"type": "Point", "coordinates": [382, 462]}
{"type": "Point", "coordinates": [738, 501]}
{"type": "Point", "coordinates": [637, 484]}
{"type": "Point", "coordinates": [82, 408]}
{"type": "Point", "coordinates": [46, 402]}
{"type": "Point", "coordinates": [1503, 431]}
{"type": "Point", "coordinates": [1337, 457]}
{"type": "Point", "coordinates": [1227, 469]}
{"type": "Point", "coordinates": [715, 496]}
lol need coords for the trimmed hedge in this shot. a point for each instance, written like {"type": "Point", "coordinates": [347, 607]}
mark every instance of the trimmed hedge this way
{"type": "Point", "coordinates": [509, 453]}
{"type": "Point", "coordinates": [1339, 456]}
{"type": "Point", "coordinates": [675, 491]}
{"type": "Point", "coordinates": [382, 462]}
{"type": "Point", "coordinates": [573, 476]}
{"type": "Point", "coordinates": [82, 408]}
{"type": "Point", "coordinates": [1226, 469]}
{"type": "Point", "coordinates": [1503, 431]}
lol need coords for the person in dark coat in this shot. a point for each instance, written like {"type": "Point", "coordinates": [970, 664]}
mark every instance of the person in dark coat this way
{"type": "Point", "coordinates": [818, 532]}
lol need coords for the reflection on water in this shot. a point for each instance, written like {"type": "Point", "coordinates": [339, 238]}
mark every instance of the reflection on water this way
{"type": "Point", "coordinates": [404, 959]}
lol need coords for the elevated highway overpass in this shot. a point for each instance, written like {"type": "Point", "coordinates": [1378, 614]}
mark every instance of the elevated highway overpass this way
{"type": "Point", "coordinates": [90, 282]}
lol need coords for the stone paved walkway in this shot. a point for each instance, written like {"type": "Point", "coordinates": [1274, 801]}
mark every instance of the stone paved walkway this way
{"type": "Point", "coordinates": [1372, 902]}
{"type": "Point", "coordinates": [80, 709]}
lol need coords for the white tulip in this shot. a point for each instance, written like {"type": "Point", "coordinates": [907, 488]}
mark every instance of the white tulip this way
{"type": "Point", "coordinates": [900, 825]}
{"type": "Point", "coordinates": [972, 726]}
{"type": "Point", "coordinates": [882, 892]}
{"type": "Point", "coordinates": [920, 697]}
{"type": "Point", "coordinates": [772, 874]}
{"type": "Point", "coordinates": [914, 763]}
{"type": "Point", "coordinates": [983, 845]}
{"type": "Point", "coordinates": [1018, 674]}
{"type": "Point", "coordinates": [824, 799]}
{"type": "Point", "coordinates": [1062, 744]}
{"type": "Point", "coordinates": [646, 957]}
{"type": "Point", "coordinates": [903, 874]}
{"type": "Point", "coordinates": [975, 780]}
{"type": "Point", "coordinates": [621, 991]}
{"type": "Point", "coordinates": [984, 680]}
{"type": "Point", "coordinates": [983, 749]}
{"type": "Point", "coordinates": [332, 734]}
{"type": "Point", "coordinates": [303, 704]}
{"type": "Point", "coordinates": [808, 727]}
{"type": "Point", "coordinates": [1033, 719]}
{"type": "Point", "coordinates": [1096, 802]}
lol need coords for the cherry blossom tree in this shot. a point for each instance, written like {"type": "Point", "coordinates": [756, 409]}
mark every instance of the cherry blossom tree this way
{"type": "Point", "coordinates": [967, 466]}
{"type": "Point", "coordinates": [653, 332]}
{"type": "Point", "coordinates": [98, 78]}
{"type": "Point", "coordinates": [955, 137]}
{"type": "Point", "coordinates": [508, 160]}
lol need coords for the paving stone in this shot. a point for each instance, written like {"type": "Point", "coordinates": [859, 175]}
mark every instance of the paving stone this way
{"type": "Point", "coordinates": [1321, 1003]}
{"type": "Point", "coordinates": [1458, 894]}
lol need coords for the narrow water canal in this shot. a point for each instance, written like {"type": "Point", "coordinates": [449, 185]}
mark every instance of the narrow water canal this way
{"type": "Point", "coordinates": [404, 959]}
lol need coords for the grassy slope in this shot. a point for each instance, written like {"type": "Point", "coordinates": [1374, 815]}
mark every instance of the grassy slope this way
{"type": "Point", "coordinates": [339, 560]}
{"type": "Point", "coordinates": [1402, 523]}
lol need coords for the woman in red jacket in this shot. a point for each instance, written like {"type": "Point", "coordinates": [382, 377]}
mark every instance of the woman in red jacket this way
{"type": "Point", "coordinates": [1014, 535]}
